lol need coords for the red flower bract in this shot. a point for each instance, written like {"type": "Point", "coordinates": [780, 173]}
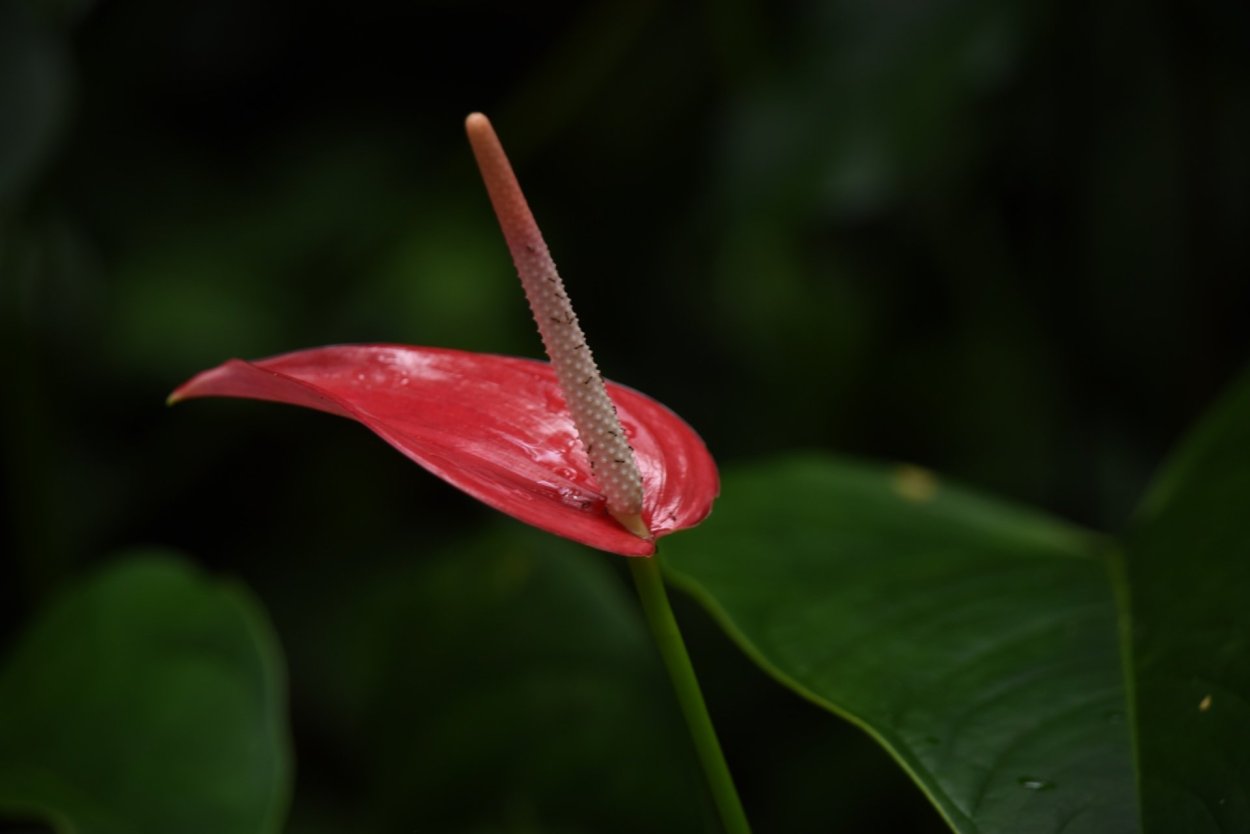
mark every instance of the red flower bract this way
{"type": "Point", "coordinates": [496, 427]}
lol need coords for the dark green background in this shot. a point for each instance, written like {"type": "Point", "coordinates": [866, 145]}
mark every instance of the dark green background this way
{"type": "Point", "coordinates": [1007, 241]}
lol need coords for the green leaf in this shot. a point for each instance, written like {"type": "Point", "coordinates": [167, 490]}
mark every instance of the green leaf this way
{"type": "Point", "coordinates": [34, 89]}
{"type": "Point", "coordinates": [147, 699]}
{"type": "Point", "coordinates": [506, 684]}
{"type": "Point", "coordinates": [1187, 565]}
{"type": "Point", "coordinates": [976, 641]}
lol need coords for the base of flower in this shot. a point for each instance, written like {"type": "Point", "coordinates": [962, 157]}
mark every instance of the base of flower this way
{"type": "Point", "coordinates": [633, 523]}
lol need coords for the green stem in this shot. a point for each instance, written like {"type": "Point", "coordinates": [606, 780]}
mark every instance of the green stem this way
{"type": "Point", "coordinates": [650, 583]}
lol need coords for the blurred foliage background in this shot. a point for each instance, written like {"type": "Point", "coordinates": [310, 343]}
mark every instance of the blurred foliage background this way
{"type": "Point", "coordinates": [1007, 241]}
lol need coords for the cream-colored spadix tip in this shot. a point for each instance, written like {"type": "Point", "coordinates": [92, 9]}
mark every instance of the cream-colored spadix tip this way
{"type": "Point", "coordinates": [633, 523]}
{"type": "Point", "coordinates": [603, 438]}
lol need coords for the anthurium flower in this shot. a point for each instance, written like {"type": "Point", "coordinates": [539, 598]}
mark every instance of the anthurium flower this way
{"type": "Point", "coordinates": [551, 444]}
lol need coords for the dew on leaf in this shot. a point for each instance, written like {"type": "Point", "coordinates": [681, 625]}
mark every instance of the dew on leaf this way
{"type": "Point", "coordinates": [911, 483]}
{"type": "Point", "coordinates": [1033, 784]}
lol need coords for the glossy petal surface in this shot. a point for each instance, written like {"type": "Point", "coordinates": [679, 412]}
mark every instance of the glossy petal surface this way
{"type": "Point", "coordinates": [496, 427]}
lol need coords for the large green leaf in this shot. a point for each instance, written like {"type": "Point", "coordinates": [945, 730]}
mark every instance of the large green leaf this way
{"type": "Point", "coordinates": [1187, 564]}
{"type": "Point", "coordinates": [147, 699]}
{"type": "Point", "coordinates": [976, 641]}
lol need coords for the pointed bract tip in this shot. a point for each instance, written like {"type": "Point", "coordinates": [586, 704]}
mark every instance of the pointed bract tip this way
{"type": "Point", "coordinates": [633, 523]}
{"type": "Point", "coordinates": [174, 398]}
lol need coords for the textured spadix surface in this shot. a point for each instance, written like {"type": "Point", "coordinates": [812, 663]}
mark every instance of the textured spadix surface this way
{"type": "Point", "coordinates": [496, 427]}
{"type": "Point", "coordinates": [598, 426]}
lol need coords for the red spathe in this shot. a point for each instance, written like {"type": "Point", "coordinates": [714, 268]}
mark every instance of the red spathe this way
{"type": "Point", "coordinates": [496, 427]}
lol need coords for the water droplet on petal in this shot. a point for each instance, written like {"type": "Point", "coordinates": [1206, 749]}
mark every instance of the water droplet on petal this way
{"type": "Point", "coordinates": [575, 498]}
{"type": "Point", "coordinates": [555, 400]}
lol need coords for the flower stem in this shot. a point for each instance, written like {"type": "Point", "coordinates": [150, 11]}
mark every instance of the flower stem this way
{"type": "Point", "coordinates": [650, 584]}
